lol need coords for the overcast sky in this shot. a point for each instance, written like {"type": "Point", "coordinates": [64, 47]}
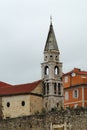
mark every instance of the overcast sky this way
{"type": "Point", "coordinates": [24, 26]}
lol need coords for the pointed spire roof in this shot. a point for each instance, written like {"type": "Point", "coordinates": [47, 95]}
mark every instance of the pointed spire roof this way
{"type": "Point", "coordinates": [51, 43]}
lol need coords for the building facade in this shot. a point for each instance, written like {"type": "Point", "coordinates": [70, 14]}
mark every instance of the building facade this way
{"type": "Point", "coordinates": [27, 99]}
{"type": "Point", "coordinates": [75, 88]}
{"type": "Point", "coordinates": [20, 100]}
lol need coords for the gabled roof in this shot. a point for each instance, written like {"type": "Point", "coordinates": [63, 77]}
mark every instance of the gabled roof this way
{"type": "Point", "coordinates": [51, 43]}
{"type": "Point", "coordinates": [19, 89]}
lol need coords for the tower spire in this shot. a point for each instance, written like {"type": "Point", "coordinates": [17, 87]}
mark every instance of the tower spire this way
{"type": "Point", "coordinates": [51, 43]}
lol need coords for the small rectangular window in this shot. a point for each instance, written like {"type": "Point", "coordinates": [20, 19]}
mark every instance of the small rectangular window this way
{"type": "Point", "coordinates": [66, 95]}
{"type": "Point", "coordinates": [66, 79]}
{"type": "Point", "coordinates": [75, 93]}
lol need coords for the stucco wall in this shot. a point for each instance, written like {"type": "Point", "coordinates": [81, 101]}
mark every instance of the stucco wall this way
{"type": "Point", "coordinates": [16, 108]}
{"type": "Point", "coordinates": [36, 104]}
{"type": "Point", "coordinates": [21, 105]}
{"type": "Point", "coordinates": [33, 103]}
{"type": "Point", "coordinates": [38, 89]}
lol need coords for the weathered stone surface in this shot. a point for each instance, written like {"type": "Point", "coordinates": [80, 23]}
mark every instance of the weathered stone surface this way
{"type": "Point", "coordinates": [71, 119]}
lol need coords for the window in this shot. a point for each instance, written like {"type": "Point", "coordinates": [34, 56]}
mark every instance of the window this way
{"type": "Point", "coordinates": [66, 95]}
{"type": "Point", "coordinates": [57, 105]}
{"type": "Point", "coordinates": [8, 104]}
{"type": "Point", "coordinates": [46, 70]}
{"type": "Point", "coordinates": [44, 86]}
{"type": "Point", "coordinates": [46, 104]}
{"type": "Point", "coordinates": [75, 94]}
{"type": "Point", "coordinates": [66, 79]}
{"type": "Point", "coordinates": [73, 74]}
{"type": "Point", "coordinates": [47, 88]}
{"type": "Point", "coordinates": [51, 57]}
{"type": "Point", "coordinates": [56, 58]}
{"type": "Point", "coordinates": [23, 103]}
{"type": "Point", "coordinates": [59, 88]}
{"type": "Point", "coordinates": [54, 88]}
{"type": "Point", "coordinates": [45, 58]}
{"type": "Point", "coordinates": [56, 70]}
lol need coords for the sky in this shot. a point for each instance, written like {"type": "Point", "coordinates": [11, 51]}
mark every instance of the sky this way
{"type": "Point", "coordinates": [24, 26]}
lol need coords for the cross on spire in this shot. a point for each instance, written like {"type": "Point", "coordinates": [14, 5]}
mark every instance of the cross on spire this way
{"type": "Point", "coordinates": [50, 20]}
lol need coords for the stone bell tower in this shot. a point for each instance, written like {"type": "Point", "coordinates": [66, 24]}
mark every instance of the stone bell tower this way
{"type": "Point", "coordinates": [52, 73]}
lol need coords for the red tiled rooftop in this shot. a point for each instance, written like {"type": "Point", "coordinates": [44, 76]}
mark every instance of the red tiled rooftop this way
{"type": "Point", "coordinates": [19, 89]}
{"type": "Point", "coordinates": [77, 71]}
{"type": "Point", "coordinates": [4, 85]}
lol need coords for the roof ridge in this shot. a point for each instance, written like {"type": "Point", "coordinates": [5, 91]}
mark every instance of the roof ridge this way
{"type": "Point", "coordinates": [27, 83]}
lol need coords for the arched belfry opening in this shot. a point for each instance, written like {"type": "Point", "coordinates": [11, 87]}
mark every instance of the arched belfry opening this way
{"type": "Point", "coordinates": [46, 70]}
{"type": "Point", "coordinates": [56, 70]}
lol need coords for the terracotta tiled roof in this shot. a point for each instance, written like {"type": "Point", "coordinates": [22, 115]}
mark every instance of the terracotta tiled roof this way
{"type": "Point", "coordinates": [4, 85]}
{"type": "Point", "coordinates": [77, 71]}
{"type": "Point", "coordinates": [82, 72]}
{"type": "Point", "coordinates": [19, 89]}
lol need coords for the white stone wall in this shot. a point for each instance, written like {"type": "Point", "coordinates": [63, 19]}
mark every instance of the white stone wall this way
{"type": "Point", "coordinates": [15, 109]}
{"type": "Point", "coordinates": [36, 104]}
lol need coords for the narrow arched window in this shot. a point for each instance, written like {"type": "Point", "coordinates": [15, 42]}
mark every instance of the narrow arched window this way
{"type": "Point", "coordinates": [56, 70]}
{"type": "Point", "coordinates": [46, 70]}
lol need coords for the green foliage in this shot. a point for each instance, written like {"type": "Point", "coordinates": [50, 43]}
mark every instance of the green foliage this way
{"type": "Point", "coordinates": [37, 112]}
{"type": "Point", "coordinates": [69, 108]}
{"type": "Point", "coordinates": [43, 111]}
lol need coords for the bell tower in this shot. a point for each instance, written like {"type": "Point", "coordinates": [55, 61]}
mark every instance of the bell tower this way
{"type": "Point", "coordinates": [52, 73]}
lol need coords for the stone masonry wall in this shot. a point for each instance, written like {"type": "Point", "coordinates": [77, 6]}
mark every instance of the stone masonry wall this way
{"type": "Point", "coordinates": [16, 108]}
{"type": "Point", "coordinates": [71, 119]}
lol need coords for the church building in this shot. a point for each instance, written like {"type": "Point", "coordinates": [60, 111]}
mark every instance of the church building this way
{"type": "Point", "coordinates": [27, 99]}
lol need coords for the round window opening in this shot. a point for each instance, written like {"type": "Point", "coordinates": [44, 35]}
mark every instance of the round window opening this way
{"type": "Point", "coordinates": [8, 104]}
{"type": "Point", "coordinates": [23, 103]}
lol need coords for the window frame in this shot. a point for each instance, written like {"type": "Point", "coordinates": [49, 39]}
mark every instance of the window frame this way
{"type": "Point", "coordinates": [75, 93]}
{"type": "Point", "coordinates": [46, 70]}
{"type": "Point", "coordinates": [66, 95]}
{"type": "Point", "coordinates": [66, 79]}
{"type": "Point", "coordinates": [56, 70]}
